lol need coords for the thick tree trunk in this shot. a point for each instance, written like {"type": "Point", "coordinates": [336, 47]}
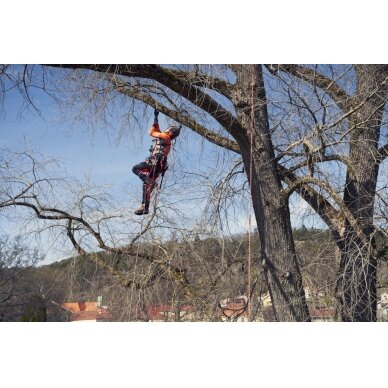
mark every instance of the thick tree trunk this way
{"type": "Point", "coordinates": [271, 211]}
{"type": "Point", "coordinates": [356, 286]}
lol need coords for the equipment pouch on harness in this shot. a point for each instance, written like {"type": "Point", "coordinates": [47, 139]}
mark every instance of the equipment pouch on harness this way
{"type": "Point", "coordinates": [160, 163]}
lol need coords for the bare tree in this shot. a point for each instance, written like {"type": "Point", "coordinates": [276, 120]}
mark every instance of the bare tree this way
{"type": "Point", "coordinates": [15, 256]}
{"type": "Point", "coordinates": [292, 125]}
{"type": "Point", "coordinates": [141, 262]}
{"type": "Point", "coordinates": [342, 115]}
{"type": "Point", "coordinates": [159, 86]}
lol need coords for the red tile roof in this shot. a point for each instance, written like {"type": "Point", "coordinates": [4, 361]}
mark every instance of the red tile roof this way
{"type": "Point", "coordinates": [322, 313]}
{"type": "Point", "coordinates": [85, 311]}
{"type": "Point", "coordinates": [160, 312]}
{"type": "Point", "coordinates": [234, 308]}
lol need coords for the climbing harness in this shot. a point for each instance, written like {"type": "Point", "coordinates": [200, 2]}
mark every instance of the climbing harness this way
{"type": "Point", "coordinates": [157, 162]}
{"type": "Point", "coordinates": [158, 159]}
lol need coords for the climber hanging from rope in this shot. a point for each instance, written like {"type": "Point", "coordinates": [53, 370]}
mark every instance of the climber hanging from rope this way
{"type": "Point", "coordinates": [156, 164]}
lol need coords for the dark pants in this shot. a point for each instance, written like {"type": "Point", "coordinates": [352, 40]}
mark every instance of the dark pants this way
{"type": "Point", "coordinates": [145, 170]}
{"type": "Point", "coordinates": [148, 173]}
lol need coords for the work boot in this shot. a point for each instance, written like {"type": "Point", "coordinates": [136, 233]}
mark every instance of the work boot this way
{"type": "Point", "coordinates": [142, 210]}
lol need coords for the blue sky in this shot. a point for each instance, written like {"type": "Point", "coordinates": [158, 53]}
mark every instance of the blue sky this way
{"type": "Point", "coordinates": [100, 156]}
{"type": "Point", "coordinates": [105, 157]}
{"type": "Point", "coordinates": [81, 151]}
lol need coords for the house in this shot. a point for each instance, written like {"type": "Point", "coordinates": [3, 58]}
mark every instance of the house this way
{"type": "Point", "coordinates": [382, 311]}
{"type": "Point", "coordinates": [382, 307]}
{"type": "Point", "coordinates": [265, 300]}
{"type": "Point", "coordinates": [168, 313]}
{"type": "Point", "coordinates": [322, 314]}
{"type": "Point", "coordinates": [384, 296]}
{"type": "Point", "coordinates": [87, 312]}
{"type": "Point", "coordinates": [313, 294]}
{"type": "Point", "coordinates": [234, 309]}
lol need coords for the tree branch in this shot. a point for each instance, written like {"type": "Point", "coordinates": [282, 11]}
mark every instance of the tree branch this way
{"type": "Point", "coordinates": [205, 81]}
{"type": "Point", "coordinates": [382, 153]}
{"type": "Point", "coordinates": [163, 266]}
{"type": "Point", "coordinates": [321, 159]}
{"type": "Point", "coordinates": [177, 116]}
{"type": "Point", "coordinates": [169, 79]}
{"type": "Point", "coordinates": [319, 203]}
{"type": "Point", "coordinates": [315, 78]}
{"type": "Point", "coordinates": [301, 182]}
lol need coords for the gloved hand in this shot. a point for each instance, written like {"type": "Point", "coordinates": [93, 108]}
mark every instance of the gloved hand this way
{"type": "Point", "coordinates": [156, 114]}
